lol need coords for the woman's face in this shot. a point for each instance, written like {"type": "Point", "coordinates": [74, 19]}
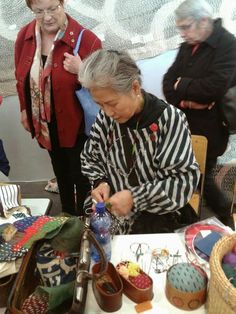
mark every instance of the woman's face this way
{"type": "Point", "coordinates": [50, 14]}
{"type": "Point", "coordinates": [192, 31]}
{"type": "Point", "coordinates": [119, 106]}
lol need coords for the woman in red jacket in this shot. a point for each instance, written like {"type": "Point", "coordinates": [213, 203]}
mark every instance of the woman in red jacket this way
{"type": "Point", "coordinates": [46, 73]}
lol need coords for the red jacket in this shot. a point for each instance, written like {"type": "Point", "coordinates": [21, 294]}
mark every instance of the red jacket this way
{"type": "Point", "coordinates": [69, 114]}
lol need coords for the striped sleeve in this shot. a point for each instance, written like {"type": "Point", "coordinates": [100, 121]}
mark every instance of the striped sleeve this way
{"type": "Point", "coordinates": [178, 173]}
{"type": "Point", "coordinates": [92, 159]}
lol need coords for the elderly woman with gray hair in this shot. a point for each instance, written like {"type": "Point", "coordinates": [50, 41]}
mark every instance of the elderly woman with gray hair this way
{"type": "Point", "coordinates": [139, 156]}
{"type": "Point", "coordinates": [204, 69]}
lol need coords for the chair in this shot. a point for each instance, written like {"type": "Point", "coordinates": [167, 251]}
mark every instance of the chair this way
{"type": "Point", "coordinates": [199, 144]}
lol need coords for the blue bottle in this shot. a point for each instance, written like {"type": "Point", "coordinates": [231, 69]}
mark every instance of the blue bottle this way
{"type": "Point", "coordinates": [100, 223]}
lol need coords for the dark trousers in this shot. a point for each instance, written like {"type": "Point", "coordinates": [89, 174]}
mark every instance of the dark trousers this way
{"type": "Point", "coordinates": [153, 223]}
{"type": "Point", "coordinates": [73, 186]}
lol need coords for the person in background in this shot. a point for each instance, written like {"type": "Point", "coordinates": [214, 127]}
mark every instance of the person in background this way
{"type": "Point", "coordinates": [4, 163]}
{"type": "Point", "coordinates": [204, 68]}
{"type": "Point", "coordinates": [138, 158]}
{"type": "Point", "coordinates": [46, 73]}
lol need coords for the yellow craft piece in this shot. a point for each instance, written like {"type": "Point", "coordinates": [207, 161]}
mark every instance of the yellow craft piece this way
{"type": "Point", "coordinates": [164, 252]}
{"type": "Point", "coordinates": [134, 269]}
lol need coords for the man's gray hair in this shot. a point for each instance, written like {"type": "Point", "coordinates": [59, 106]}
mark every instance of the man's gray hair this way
{"type": "Point", "coordinates": [196, 9]}
{"type": "Point", "coordinates": [109, 68]}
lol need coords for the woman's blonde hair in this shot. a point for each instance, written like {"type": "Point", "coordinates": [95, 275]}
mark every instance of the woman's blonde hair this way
{"type": "Point", "coordinates": [30, 2]}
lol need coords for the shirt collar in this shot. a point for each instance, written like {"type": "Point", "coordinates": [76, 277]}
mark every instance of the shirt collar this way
{"type": "Point", "coordinates": [71, 33]}
{"type": "Point", "coordinates": [214, 38]}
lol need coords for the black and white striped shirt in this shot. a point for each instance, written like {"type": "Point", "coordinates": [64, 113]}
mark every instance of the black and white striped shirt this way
{"type": "Point", "coordinates": [158, 167]}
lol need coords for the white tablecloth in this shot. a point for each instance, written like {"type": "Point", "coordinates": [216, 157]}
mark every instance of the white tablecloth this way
{"type": "Point", "coordinates": [121, 251]}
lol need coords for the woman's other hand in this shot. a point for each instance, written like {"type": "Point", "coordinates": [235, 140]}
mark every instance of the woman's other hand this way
{"type": "Point", "coordinates": [24, 120]}
{"type": "Point", "coordinates": [101, 193]}
{"type": "Point", "coordinates": [121, 203]}
{"type": "Point", "coordinates": [71, 63]}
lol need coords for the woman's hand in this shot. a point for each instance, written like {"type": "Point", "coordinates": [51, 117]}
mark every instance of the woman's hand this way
{"type": "Point", "coordinates": [101, 193]}
{"type": "Point", "coordinates": [195, 105]}
{"type": "Point", "coordinates": [177, 83]}
{"type": "Point", "coordinates": [121, 203]}
{"type": "Point", "coordinates": [24, 120]}
{"type": "Point", "coordinates": [71, 63]}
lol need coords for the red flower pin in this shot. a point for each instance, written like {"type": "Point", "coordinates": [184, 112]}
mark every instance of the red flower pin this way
{"type": "Point", "coordinates": [153, 127]}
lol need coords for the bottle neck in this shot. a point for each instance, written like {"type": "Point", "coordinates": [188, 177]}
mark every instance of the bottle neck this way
{"type": "Point", "coordinates": [100, 208]}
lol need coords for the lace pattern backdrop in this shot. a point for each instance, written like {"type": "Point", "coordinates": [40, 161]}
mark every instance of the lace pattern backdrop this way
{"type": "Point", "coordinates": [143, 27]}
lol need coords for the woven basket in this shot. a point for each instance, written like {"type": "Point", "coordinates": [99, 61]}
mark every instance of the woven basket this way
{"type": "Point", "coordinates": [221, 294]}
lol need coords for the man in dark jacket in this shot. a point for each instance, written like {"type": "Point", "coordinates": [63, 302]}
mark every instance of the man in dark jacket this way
{"type": "Point", "coordinates": [205, 67]}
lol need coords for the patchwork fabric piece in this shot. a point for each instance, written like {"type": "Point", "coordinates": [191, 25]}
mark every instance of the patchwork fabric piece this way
{"type": "Point", "coordinates": [9, 198]}
{"type": "Point", "coordinates": [7, 254]}
{"type": "Point", "coordinates": [32, 229]}
{"type": "Point", "coordinates": [22, 224]}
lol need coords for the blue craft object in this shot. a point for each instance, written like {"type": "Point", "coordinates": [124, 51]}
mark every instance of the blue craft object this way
{"type": "Point", "coordinates": [205, 245]}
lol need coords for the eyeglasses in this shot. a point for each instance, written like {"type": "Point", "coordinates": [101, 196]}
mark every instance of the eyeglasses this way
{"type": "Point", "coordinates": [184, 28]}
{"type": "Point", "coordinates": [51, 11]}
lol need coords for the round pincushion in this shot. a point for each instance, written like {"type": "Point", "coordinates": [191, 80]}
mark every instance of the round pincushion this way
{"type": "Point", "coordinates": [186, 286]}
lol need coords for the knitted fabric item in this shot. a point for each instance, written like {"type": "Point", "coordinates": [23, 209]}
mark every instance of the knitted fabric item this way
{"type": "Point", "coordinates": [35, 304]}
{"type": "Point", "coordinates": [7, 254]}
{"type": "Point", "coordinates": [32, 229]}
{"type": "Point", "coordinates": [37, 229]}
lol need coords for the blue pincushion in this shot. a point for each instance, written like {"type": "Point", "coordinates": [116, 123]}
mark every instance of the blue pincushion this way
{"type": "Point", "coordinates": [187, 277]}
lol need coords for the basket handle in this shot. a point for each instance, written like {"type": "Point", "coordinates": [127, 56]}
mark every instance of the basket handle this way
{"type": "Point", "coordinates": [83, 275]}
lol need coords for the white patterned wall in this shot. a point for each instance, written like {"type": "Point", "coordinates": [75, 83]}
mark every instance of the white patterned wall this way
{"type": "Point", "coordinates": [143, 27]}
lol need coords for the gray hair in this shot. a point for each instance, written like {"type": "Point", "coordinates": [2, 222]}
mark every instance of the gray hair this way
{"type": "Point", "coordinates": [197, 9]}
{"type": "Point", "coordinates": [109, 68]}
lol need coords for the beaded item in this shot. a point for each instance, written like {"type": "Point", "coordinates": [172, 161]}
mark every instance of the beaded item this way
{"type": "Point", "coordinates": [31, 229]}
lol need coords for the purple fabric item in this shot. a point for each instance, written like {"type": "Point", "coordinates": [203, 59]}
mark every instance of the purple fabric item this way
{"type": "Point", "coordinates": [230, 258]}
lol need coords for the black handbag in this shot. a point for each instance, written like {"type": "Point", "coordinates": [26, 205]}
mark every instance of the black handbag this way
{"type": "Point", "coordinates": [228, 107]}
